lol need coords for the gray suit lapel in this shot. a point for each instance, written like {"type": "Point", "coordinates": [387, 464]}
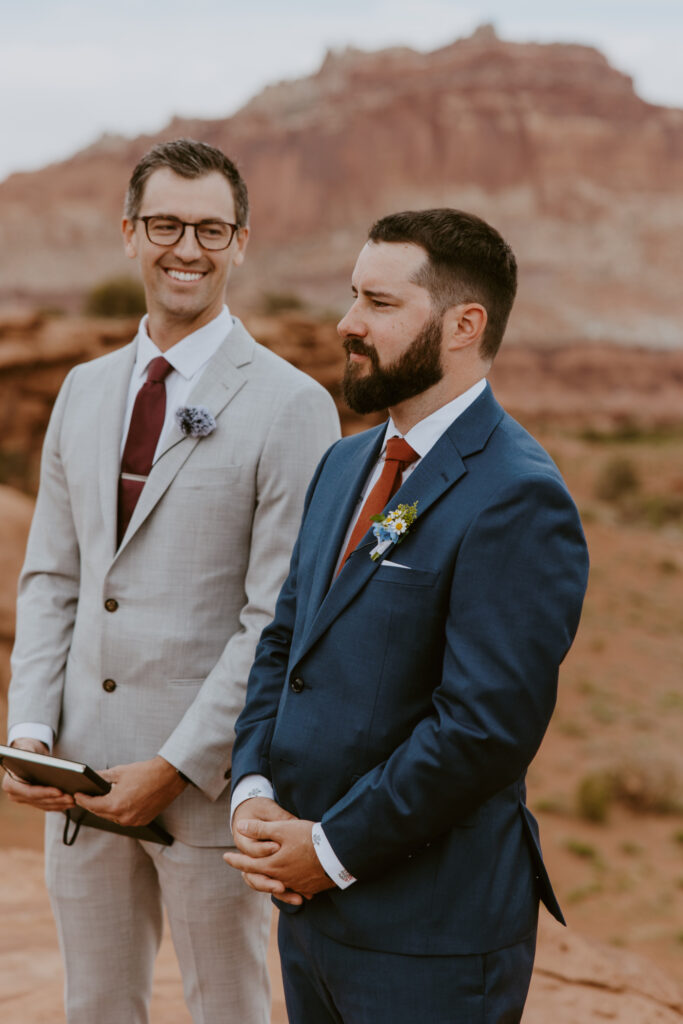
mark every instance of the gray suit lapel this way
{"type": "Point", "coordinates": [217, 386]}
{"type": "Point", "coordinates": [111, 417]}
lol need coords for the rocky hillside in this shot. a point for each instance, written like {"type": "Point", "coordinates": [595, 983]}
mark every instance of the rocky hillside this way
{"type": "Point", "coordinates": [549, 142]}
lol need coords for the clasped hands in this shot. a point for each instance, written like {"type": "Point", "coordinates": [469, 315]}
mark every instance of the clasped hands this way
{"type": "Point", "coordinates": [139, 791]}
{"type": "Point", "coordinates": [275, 852]}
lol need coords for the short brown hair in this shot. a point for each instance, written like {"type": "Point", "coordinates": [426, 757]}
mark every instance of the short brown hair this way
{"type": "Point", "coordinates": [467, 261]}
{"type": "Point", "coordinates": [189, 159]}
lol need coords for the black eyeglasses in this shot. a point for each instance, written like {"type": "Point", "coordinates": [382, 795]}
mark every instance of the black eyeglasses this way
{"type": "Point", "coordinates": [210, 234]}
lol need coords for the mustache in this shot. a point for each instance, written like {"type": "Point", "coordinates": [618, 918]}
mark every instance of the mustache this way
{"type": "Point", "coordinates": [358, 347]}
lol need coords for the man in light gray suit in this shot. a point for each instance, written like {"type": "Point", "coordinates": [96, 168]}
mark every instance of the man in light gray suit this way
{"type": "Point", "coordinates": [173, 477]}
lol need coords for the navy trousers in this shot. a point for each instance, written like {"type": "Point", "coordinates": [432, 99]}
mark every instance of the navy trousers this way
{"type": "Point", "coordinates": [326, 982]}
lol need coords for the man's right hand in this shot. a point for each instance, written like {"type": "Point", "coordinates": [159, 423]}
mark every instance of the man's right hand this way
{"type": "Point", "coordinates": [262, 808]}
{"type": "Point", "coordinates": [45, 798]}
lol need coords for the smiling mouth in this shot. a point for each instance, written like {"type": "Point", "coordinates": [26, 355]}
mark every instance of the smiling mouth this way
{"type": "Point", "coordinates": [184, 275]}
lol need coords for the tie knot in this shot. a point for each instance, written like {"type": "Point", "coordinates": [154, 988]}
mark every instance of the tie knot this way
{"type": "Point", "coordinates": [158, 369]}
{"type": "Point", "coordinates": [398, 450]}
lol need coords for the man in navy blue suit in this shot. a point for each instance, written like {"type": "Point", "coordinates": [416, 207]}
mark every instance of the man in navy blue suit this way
{"type": "Point", "coordinates": [410, 672]}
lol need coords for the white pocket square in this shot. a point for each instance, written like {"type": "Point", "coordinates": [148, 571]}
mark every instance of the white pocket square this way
{"type": "Point", "coordinates": [396, 565]}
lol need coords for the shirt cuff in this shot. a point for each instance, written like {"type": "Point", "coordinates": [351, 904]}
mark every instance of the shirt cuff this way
{"type": "Point", "coordinates": [248, 787]}
{"type": "Point", "coordinates": [329, 861]}
{"type": "Point", "coordinates": [31, 731]}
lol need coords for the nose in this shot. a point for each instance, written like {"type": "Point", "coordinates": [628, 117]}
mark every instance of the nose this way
{"type": "Point", "coordinates": [187, 248]}
{"type": "Point", "coordinates": [351, 324]}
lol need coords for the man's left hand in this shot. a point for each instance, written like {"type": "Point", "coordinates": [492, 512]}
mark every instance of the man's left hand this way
{"type": "Point", "coordinates": [294, 864]}
{"type": "Point", "coordinates": [139, 792]}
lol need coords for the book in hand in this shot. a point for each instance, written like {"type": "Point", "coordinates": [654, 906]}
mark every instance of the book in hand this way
{"type": "Point", "coordinates": [73, 777]}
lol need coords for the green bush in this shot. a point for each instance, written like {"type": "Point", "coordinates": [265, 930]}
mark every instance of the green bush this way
{"type": "Point", "coordinates": [617, 479]}
{"type": "Point", "coordinates": [278, 302]}
{"type": "Point", "coordinates": [594, 796]}
{"type": "Point", "coordinates": [118, 296]}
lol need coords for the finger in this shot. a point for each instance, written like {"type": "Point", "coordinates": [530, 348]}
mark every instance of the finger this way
{"type": "Point", "coordinates": [294, 899]}
{"type": "Point", "coordinates": [264, 883]}
{"type": "Point", "coordinates": [256, 847]}
{"type": "Point", "coordinates": [61, 803]}
{"type": "Point", "coordinates": [241, 862]}
{"type": "Point", "coordinates": [253, 828]}
{"type": "Point", "coordinates": [39, 796]}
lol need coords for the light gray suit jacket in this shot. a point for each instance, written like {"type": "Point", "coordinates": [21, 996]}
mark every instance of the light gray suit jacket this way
{"type": "Point", "coordinates": [195, 578]}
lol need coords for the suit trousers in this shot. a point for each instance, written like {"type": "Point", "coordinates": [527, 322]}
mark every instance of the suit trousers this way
{"type": "Point", "coordinates": [107, 892]}
{"type": "Point", "coordinates": [326, 982]}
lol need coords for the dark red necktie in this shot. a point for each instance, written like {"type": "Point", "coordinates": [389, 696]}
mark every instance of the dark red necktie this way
{"type": "Point", "coordinates": [146, 422]}
{"type": "Point", "coordinates": [398, 455]}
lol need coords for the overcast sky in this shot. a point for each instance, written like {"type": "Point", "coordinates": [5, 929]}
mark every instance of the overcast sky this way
{"type": "Point", "coordinates": [73, 69]}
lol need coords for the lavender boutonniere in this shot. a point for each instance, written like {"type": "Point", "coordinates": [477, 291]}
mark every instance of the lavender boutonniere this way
{"type": "Point", "coordinates": [195, 420]}
{"type": "Point", "coordinates": [392, 528]}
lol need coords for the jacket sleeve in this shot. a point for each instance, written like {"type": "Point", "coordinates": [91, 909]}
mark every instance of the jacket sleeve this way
{"type": "Point", "coordinates": [515, 600]}
{"type": "Point", "coordinates": [48, 590]}
{"type": "Point", "coordinates": [303, 427]}
{"type": "Point", "coordinates": [255, 725]}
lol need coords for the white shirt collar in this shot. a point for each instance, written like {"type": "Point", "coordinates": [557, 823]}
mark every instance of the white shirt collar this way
{"type": "Point", "coordinates": [189, 355]}
{"type": "Point", "coordinates": [427, 432]}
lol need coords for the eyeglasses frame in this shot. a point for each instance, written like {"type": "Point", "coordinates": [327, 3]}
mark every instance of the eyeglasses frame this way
{"type": "Point", "coordinates": [189, 224]}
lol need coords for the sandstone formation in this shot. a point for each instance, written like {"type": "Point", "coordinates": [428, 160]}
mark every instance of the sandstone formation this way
{"type": "Point", "coordinates": [599, 386]}
{"type": "Point", "coordinates": [549, 142]}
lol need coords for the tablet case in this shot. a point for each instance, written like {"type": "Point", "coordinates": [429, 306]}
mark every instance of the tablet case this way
{"type": "Point", "coordinates": [74, 777]}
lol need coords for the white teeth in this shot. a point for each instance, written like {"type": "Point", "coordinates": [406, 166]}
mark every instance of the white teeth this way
{"type": "Point", "coordinates": [183, 275]}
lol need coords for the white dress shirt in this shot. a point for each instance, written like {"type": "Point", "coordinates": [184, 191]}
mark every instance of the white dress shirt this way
{"type": "Point", "coordinates": [188, 359]}
{"type": "Point", "coordinates": [421, 438]}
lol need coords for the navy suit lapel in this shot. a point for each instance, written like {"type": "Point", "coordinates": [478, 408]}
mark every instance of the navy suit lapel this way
{"type": "Point", "coordinates": [347, 491]}
{"type": "Point", "coordinates": [440, 469]}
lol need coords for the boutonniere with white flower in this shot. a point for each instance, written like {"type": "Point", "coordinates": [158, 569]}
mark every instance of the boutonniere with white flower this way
{"type": "Point", "coordinates": [392, 528]}
{"type": "Point", "coordinates": [195, 420]}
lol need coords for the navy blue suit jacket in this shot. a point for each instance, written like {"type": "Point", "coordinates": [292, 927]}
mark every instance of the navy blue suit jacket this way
{"type": "Point", "coordinates": [426, 690]}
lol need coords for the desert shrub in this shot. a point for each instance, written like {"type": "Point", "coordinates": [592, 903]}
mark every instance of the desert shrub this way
{"type": "Point", "coordinates": [647, 786]}
{"type": "Point", "coordinates": [117, 296]}
{"type": "Point", "coordinates": [617, 479]}
{"type": "Point", "coordinates": [660, 509]}
{"type": "Point", "coordinates": [586, 851]}
{"type": "Point", "coordinates": [279, 302]}
{"type": "Point", "coordinates": [594, 795]}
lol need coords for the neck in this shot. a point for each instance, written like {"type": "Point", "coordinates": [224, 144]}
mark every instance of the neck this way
{"type": "Point", "coordinates": [166, 331]}
{"type": "Point", "coordinates": [414, 410]}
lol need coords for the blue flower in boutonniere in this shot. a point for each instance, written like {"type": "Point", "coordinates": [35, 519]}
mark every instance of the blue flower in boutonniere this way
{"type": "Point", "coordinates": [195, 420]}
{"type": "Point", "coordinates": [392, 528]}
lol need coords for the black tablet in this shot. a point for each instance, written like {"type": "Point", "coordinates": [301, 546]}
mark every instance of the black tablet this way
{"type": "Point", "coordinates": [46, 770]}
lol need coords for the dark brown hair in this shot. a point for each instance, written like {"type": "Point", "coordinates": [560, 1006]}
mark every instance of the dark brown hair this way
{"type": "Point", "coordinates": [189, 159]}
{"type": "Point", "coordinates": [467, 261]}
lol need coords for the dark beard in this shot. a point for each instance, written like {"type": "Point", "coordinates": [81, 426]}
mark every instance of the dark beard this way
{"type": "Point", "coordinates": [412, 373]}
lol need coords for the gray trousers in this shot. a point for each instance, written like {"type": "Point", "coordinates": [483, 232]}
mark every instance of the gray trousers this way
{"type": "Point", "coordinates": [107, 894]}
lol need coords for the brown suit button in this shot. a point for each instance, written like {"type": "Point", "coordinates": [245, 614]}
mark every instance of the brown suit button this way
{"type": "Point", "coordinates": [297, 685]}
{"type": "Point", "coordinates": [109, 685]}
{"type": "Point", "coordinates": [111, 604]}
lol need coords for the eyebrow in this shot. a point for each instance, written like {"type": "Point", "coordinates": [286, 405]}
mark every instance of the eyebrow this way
{"type": "Point", "coordinates": [375, 294]}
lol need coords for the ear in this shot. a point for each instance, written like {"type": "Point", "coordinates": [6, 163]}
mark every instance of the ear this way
{"type": "Point", "coordinates": [129, 238]}
{"type": "Point", "coordinates": [241, 239]}
{"type": "Point", "coordinates": [464, 324]}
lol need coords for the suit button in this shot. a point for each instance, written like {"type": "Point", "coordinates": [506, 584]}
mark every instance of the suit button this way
{"type": "Point", "coordinates": [109, 685]}
{"type": "Point", "coordinates": [111, 604]}
{"type": "Point", "coordinates": [297, 685]}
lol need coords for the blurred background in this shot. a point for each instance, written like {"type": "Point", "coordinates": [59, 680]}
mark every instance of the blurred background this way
{"type": "Point", "coordinates": [560, 124]}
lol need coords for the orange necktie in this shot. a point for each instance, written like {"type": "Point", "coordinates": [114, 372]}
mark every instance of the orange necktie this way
{"type": "Point", "coordinates": [398, 455]}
